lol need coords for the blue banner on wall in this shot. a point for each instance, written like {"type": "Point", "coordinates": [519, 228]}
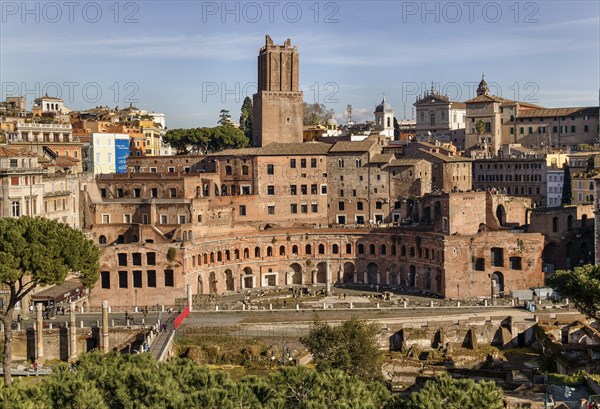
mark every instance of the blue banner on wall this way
{"type": "Point", "coordinates": [121, 153]}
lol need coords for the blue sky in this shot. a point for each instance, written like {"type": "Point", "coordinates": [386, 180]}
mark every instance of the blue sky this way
{"type": "Point", "coordinates": [190, 59]}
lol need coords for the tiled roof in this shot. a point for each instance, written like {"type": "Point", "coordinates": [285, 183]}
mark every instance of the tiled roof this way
{"type": "Point", "coordinates": [405, 162]}
{"type": "Point", "coordinates": [381, 158]}
{"type": "Point", "coordinates": [5, 151]}
{"type": "Point", "coordinates": [280, 149]}
{"type": "Point", "coordinates": [458, 105]}
{"type": "Point", "coordinates": [530, 113]}
{"type": "Point", "coordinates": [446, 158]}
{"type": "Point", "coordinates": [487, 98]}
{"type": "Point", "coordinates": [350, 146]}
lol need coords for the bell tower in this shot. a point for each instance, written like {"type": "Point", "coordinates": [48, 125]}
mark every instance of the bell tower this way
{"type": "Point", "coordinates": [279, 104]}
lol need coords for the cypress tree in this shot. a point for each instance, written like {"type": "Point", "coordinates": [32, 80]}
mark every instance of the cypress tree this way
{"type": "Point", "coordinates": [567, 194]}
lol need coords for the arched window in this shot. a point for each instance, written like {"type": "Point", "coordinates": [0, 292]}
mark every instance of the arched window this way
{"type": "Point", "coordinates": [371, 249]}
{"type": "Point", "coordinates": [382, 249]}
{"type": "Point", "coordinates": [257, 252]}
{"type": "Point", "coordinates": [361, 248]}
{"type": "Point", "coordinates": [412, 251]}
{"type": "Point", "coordinates": [246, 253]}
{"type": "Point", "coordinates": [295, 249]}
{"type": "Point", "coordinates": [212, 257]}
{"type": "Point", "coordinates": [205, 258]}
{"type": "Point", "coordinates": [282, 250]}
{"type": "Point", "coordinates": [194, 261]}
{"type": "Point", "coordinates": [102, 240]}
{"type": "Point", "coordinates": [308, 249]}
{"type": "Point", "coordinates": [403, 250]}
{"type": "Point", "coordinates": [348, 248]}
{"type": "Point", "coordinates": [227, 255]}
{"type": "Point", "coordinates": [555, 224]}
{"type": "Point", "coordinates": [321, 249]}
{"type": "Point", "coordinates": [269, 251]}
{"type": "Point", "coordinates": [335, 249]}
{"type": "Point", "coordinates": [236, 254]}
{"type": "Point", "coordinates": [219, 256]}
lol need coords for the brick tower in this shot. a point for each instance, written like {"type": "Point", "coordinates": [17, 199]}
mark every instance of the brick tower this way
{"type": "Point", "coordinates": [279, 104]}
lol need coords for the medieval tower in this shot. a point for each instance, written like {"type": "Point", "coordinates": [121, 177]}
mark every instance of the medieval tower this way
{"type": "Point", "coordinates": [279, 104]}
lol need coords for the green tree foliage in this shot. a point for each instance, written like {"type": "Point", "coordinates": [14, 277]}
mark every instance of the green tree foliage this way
{"type": "Point", "coordinates": [138, 381]}
{"type": "Point", "coordinates": [34, 252]}
{"type": "Point", "coordinates": [316, 114]}
{"type": "Point", "coordinates": [246, 118]}
{"type": "Point", "coordinates": [350, 347]}
{"type": "Point", "coordinates": [567, 193]}
{"type": "Point", "coordinates": [480, 127]}
{"type": "Point", "coordinates": [224, 118]}
{"type": "Point", "coordinates": [206, 140]}
{"type": "Point", "coordinates": [447, 393]}
{"type": "Point", "coordinates": [582, 286]}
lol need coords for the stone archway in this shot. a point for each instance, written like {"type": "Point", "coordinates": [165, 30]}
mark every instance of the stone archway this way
{"type": "Point", "coordinates": [296, 273]}
{"type": "Point", "coordinates": [321, 273]}
{"type": "Point", "coordinates": [348, 277]}
{"type": "Point", "coordinates": [412, 276]}
{"type": "Point", "coordinates": [248, 278]}
{"type": "Point", "coordinates": [372, 271]}
{"type": "Point", "coordinates": [497, 282]}
{"type": "Point", "coordinates": [501, 215]}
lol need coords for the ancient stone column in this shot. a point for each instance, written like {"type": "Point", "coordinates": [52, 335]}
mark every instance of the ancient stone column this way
{"type": "Point", "coordinates": [39, 331]}
{"type": "Point", "coordinates": [189, 296]}
{"type": "Point", "coordinates": [105, 345]}
{"type": "Point", "coordinates": [72, 332]}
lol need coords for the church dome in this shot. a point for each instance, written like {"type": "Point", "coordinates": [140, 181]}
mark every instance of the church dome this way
{"type": "Point", "coordinates": [384, 107]}
{"type": "Point", "coordinates": [332, 122]}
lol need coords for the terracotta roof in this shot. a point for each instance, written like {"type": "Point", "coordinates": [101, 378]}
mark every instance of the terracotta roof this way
{"type": "Point", "coordinates": [529, 113]}
{"type": "Point", "coordinates": [350, 146]}
{"type": "Point", "coordinates": [446, 158]}
{"type": "Point", "coordinates": [487, 98]}
{"type": "Point", "coordinates": [5, 151]}
{"type": "Point", "coordinates": [458, 105]}
{"type": "Point", "coordinates": [381, 158]}
{"type": "Point", "coordinates": [405, 162]}
{"type": "Point", "coordinates": [280, 149]}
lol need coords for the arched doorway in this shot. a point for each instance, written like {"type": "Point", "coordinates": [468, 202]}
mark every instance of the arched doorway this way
{"type": "Point", "coordinates": [497, 284]}
{"type": "Point", "coordinates": [229, 283]}
{"type": "Point", "coordinates": [501, 215]}
{"type": "Point", "coordinates": [412, 276]}
{"type": "Point", "coordinates": [372, 273]}
{"type": "Point", "coordinates": [248, 278]}
{"type": "Point", "coordinates": [297, 273]}
{"type": "Point", "coordinates": [322, 273]}
{"type": "Point", "coordinates": [348, 277]}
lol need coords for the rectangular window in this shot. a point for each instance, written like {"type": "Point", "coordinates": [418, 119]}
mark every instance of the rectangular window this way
{"type": "Point", "coordinates": [102, 192]}
{"type": "Point", "coordinates": [479, 264]}
{"type": "Point", "coordinates": [573, 129]}
{"type": "Point", "coordinates": [340, 205]}
{"type": "Point", "coordinates": [313, 189]}
{"type": "Point", "coordinates": [137, 279]}
{"type": "Point", "coordinates": [16, 209]}
{"type": "Point", "coordinates": [313, 163]}
{"type": "Point", "coordinates": [164, 219]}
{"type": "Point", "coordinates": [122, 279]}
{"type": "Point", "coordinates": [14, 181]}
{"type": "Point", "coordinates": [302, 163]}
{"type": "Point", "coordinates": [105, 278]}
{"type": "Point", "coordinates": [314, 208]}
{"type": "Point", "coordinates": [182, 219]}
{"type": "Point", "coordinates": [293, 208]}
{"type": "Point", "coordinates": [122, 259]}
{"type": "Point", "coordinates": [242, 210]}
{"type": "Point", "coordinates": [127, 218]}
{"type": "Point", "coordinates": [304, 208]}
{"type": "Point", "coordinates": [137, 259]}
{"type": "Point", "coordinates": [270, 169]}
{"type": "Point", "coordinates": [169, 282]}
{"type": "Point", "coordinates": [359, 205]}
{"type": "Point", "coordinates": [151, 259]}
{"type": "Point", "coordinates": [173, 192]}
{"type": "Point", "coordinates": [304, 189]}
{"type": "Point", "coordinates": [514, 263]}
{"type": "Point", "coordinates": [293, 190]}
{"type": "Point", "coordinates": [271, 190]}
{"type": "Point", "coordinates": [137, 192]}
{"type": "Point", "coordinates": [323, 189]}
{"type": "Point", "coordinates": [154, 192]}
{"type": "Point", "coordinates": [497, 257]}
{"type": "Point", "coordinates": [271, 209]}
{"type": "Point", "coordinates": [293, 163]}
{"type": "Point", "coordinates": [151, 278]}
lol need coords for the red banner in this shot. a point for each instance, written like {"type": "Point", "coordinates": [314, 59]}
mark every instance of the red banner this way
{"type": "Point", "coordinates": [181, 317]}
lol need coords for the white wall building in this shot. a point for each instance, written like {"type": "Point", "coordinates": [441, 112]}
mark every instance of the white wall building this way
{"type": "Point", "coordinates": [554, 183]}
{"type": "Point", "coordinates": [105, 155]}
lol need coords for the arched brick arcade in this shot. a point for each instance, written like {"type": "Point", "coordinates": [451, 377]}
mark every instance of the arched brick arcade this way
{"type": "Point", "coordinates": [270, 259]}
